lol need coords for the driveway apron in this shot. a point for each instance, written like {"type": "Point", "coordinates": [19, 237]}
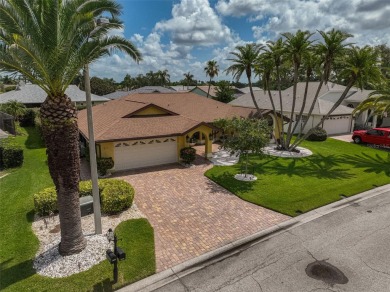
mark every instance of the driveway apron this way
{"type": "Point", "coordinates": [192, 215]}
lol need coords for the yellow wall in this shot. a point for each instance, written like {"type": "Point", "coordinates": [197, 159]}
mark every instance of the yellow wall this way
{"type": "Point", "coordinates": [107, 149]}
{"type": "Point", "coordinates": [206, 131]}
{"type": "Point", "coordinates": [150, 111]}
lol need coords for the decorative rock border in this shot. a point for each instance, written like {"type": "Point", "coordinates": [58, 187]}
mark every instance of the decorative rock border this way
{"type": "Point", "coordinates": [303, 152]}
{"type": "Point", "coordinates": [48, 262]}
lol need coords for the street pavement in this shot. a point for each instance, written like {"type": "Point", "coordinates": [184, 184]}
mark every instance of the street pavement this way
{"type": "Point", "coordinates": [344, 246]}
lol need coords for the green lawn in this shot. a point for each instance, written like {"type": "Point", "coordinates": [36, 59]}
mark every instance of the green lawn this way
{"type": "Point", "coordinates": [18, 244]}
{"type": "Point", "coordinates": [293, 186]}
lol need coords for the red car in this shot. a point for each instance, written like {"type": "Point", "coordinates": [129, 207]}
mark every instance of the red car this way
{"type": "Point", "coordinates": [379, 136]}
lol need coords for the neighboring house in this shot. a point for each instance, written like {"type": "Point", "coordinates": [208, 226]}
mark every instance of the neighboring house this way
{"type": "Point", "coordinates": [339, 122]}
{"type": "Point", "coordinates": [33, 96]}
{"type": "Point", "coordinates": [202, 90]}
{"type": "Point", "coordinates": [181, 88]}
{"type": "Point", "coordinates": [144, 89]}
{"type": "Point", "coordinates": [247, 89]}
{"type": "Point", "coordinates": [116, 94]}
{"type": "Point", "coordinates": [141, 130]}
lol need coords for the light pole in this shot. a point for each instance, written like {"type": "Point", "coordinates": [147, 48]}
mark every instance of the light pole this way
{"type": "Point", "coordinates": [92, 155]}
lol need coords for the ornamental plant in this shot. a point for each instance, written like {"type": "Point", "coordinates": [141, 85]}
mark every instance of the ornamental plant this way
{"type": "Point", "coordinates": [188, 155]}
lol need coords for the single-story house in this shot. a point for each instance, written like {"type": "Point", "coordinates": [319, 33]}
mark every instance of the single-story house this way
{"type": "Point", "coordinates": [181, 88]}
{"type": "Point", "coordinates": [32, 95]}
{"type": "Point", "coordinates": [144, 89]}
{"type": "Point", "coordinates": [148, 129]}
{"type": "Point", "coordinates": [203, 89]}
{"type": "Point", "coordinates": [339, 122]}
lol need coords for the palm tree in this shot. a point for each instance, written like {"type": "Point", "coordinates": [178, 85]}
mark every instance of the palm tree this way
{"type": "Point", "coordinates": [360, 68]}
{"type": "Point", "coordinates": [244, 59]}
{"type": "Point", "coordinates": [163, 77]}
{"type": "Point", "coordinates": [224, 92]}
{"type": "Point", "coordinates": [49, 42]}
{"type": "Point", "coordinates": [211, 70]}
{"type": "Point", "coordinates": [297, 47]}
{"type": "Point", "coordinates": [189, 78]}
{"type": "Point", "coordinates": [14, 108]}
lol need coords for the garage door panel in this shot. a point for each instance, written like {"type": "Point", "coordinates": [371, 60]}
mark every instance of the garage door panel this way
{"type": "Point", "coordinates": [143, 153]}
{"type": "Point", "coordinates": [337, 125]}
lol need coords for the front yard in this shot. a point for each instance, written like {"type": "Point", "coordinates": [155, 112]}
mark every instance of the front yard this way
{"type": "Point", "coordinates": [18, 244]}
{"type": "Point", "coordinates": [294, 186]}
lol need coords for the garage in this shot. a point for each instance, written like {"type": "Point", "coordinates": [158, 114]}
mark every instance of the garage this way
{"type": "Point", "coordinates": [338, 124]}
{"type": "Point", "coordinates": [146, 152]}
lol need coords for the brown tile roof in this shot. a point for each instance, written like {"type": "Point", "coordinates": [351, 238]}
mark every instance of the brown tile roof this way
{"type": "Point", "coordinates": [192, 110]}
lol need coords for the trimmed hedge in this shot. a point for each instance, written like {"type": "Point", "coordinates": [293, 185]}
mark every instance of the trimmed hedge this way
{"type": "Point", "coordinates": [188, 154]}
{"type": "Point", "coordinates": [317, 134]}
{"type": "Point", "coordinates": [115, 196]}
{"type": "Point", "coordinates": [11, 154]}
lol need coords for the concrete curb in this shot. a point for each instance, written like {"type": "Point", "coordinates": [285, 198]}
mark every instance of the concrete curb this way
{"type": "Point", "coordinates": [165, 277]}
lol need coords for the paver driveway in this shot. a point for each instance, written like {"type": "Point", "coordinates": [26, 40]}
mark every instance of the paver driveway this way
{"type": "Point", "coordinates": [192, 215]}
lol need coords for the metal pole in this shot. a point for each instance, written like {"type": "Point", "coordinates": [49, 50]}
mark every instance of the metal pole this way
{"type": "Point", "coordinates": [92, 155]}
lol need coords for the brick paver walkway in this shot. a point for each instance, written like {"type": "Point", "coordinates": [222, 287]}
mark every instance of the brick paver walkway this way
{"type": "Point", "coordinates": [190, 214]}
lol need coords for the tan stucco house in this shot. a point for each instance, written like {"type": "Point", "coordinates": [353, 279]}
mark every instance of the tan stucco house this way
{"type": "Point", "coordinates": [148, 129]}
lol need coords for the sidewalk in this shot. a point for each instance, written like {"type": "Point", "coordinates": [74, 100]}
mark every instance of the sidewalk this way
{"type": "Point", "coordinates": [173, 278]}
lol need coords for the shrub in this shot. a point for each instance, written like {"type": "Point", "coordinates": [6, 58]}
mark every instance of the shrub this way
{"type": "Point", "coordinates": [116, 197]}
{"type": "Point", "coordinates": [11, 155]}
{"type": "Point", "coordinates": [45, 202]}
{"type": "Point", "coordinates": [317, 134]}
{"type": "Point", "coordinates": [187, 154]}
{"type": "Point", "coordinates": [28, 118]}
{"type": "Point", "coordinates": [85, 188]}
{"type": "Point", "coordinates": [104, 164]}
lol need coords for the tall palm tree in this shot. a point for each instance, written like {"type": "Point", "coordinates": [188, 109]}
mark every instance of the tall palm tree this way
{"type": "Point", "coordinates": [360, 68]}
{"type": "Point", "coordinates": [189, 78]}
{"type": "Point", "coordinates": [244, 59]}
{"type": "Point", "coordinates": [212, 70]}
{"type": "Point", "coordinates": [297, 47]}
{"type": "Point", "coordinates": [49, 42]}
{"type": "Point", "coordinates": [163, 77]}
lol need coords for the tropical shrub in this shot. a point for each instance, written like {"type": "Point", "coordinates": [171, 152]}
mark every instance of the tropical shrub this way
{"type": "Point", "coordinates": [11, 155]}
{"type": "Point", "coordinates": [317, 134]}
{"type": "Point", "coordinates": [188, 154]}
{"type": "Point", "coordinates": [115, 196]}
{"type": "Point", "coordinates": [45, 202]}
{"type": "Point", "coordinates": [104, 164]}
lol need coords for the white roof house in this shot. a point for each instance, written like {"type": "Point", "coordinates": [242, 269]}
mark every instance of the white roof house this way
{"type": "Point", "coordinates": [340, 121]}
{"type": "Point", "coordinates": [33, 95]}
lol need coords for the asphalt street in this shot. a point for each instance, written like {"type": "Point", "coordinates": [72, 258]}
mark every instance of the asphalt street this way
{"type": "Point", "coordinates": [345, 250]}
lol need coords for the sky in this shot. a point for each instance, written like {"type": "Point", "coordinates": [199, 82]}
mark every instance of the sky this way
{"type": "Point", "coordinates": [182, 35]}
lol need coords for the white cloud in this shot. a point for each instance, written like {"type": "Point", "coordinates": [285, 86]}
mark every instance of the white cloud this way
{"type": "Point", "coordinates": [367, 20]}
{"type": "Point", "coordinates": [194, 22]}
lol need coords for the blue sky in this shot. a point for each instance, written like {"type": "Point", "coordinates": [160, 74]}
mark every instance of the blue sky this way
{"type": "Point", "coordinates": [182, 35]}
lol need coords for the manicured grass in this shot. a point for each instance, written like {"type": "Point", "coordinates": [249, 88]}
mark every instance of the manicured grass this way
{"type": "Point", "coordinates": [293, 186]}
{"type": "Point", "coordinates": [18, 244]}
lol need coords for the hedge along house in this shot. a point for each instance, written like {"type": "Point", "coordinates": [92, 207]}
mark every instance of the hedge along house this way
{"type": "Point", "coordinates": [142, 130]}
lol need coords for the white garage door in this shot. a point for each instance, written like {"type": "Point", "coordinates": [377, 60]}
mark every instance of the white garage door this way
{"type": "Point", "coordinates": [142, 153]}
{"type": "Point", "coordinates": [337, 125]}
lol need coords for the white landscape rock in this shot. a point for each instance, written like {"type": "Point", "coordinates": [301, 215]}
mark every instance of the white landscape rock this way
{"type": "Point", "coordinates": [48, 262]}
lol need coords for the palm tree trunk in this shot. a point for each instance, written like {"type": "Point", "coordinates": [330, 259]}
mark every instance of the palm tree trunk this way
{"type": "Point", "coordinates": [253, 97]}
{"type": "Point", "coordinates": [282, 140]}
{"type": "Point", "coordinates": [208, 91]}
{"type": "Point", "coordinates": [339, 101]}
{"type": "Point", "coordinates": [59, 125]}
{"type": "Point", "coordinates": [289, 132]}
